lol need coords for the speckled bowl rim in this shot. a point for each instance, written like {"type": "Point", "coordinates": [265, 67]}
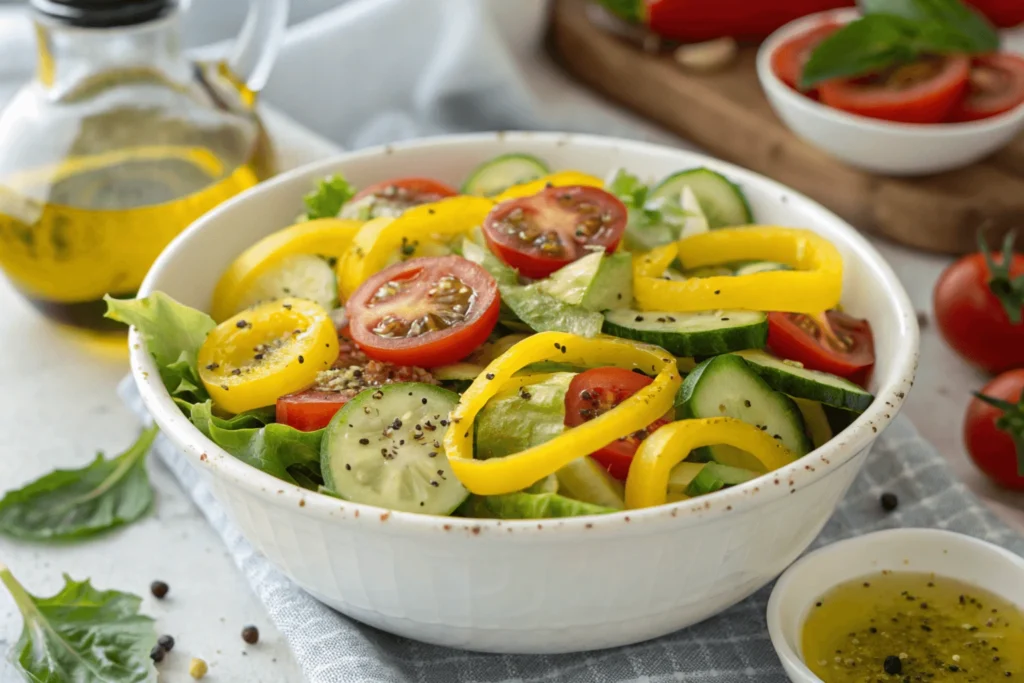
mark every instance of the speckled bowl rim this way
{"type": "Point", "coordinates": [204, 453]}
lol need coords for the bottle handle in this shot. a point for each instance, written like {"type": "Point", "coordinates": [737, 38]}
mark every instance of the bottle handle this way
{"type": "Point", "coordinates": [259, 42]}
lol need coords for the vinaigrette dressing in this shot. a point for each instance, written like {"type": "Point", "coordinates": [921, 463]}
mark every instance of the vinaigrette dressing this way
{"type": "Point", "coordinates": [909, 627]}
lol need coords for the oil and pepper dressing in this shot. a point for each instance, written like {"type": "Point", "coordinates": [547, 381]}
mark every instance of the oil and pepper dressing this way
{"type": "Point", "coordinates": [909, 627]}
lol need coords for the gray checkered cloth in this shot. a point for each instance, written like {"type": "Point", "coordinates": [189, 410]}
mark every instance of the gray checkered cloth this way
{"type": "Point", "coordinates": [730, 648]}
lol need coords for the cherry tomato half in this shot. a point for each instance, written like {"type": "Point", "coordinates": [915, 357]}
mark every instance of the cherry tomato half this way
{"type": "Point", "coordinates": [424, 312]}
{"type": "Point", "coordinates": [971, 318]}
{"type": "Point", "coordinates": [996, 86]}
{"type": "Point", "coordinates": [789, 59]}
{"type": "Point", "coordinates": [594, 393]}
{"type": "Point", "coordinates": [407, 192]}
{"type": "Point", "coordinates": [831, 342]}
{"type": "Point", "coordinates": [925, 91]}
{"type": "Point", "coordinates": [539, 234]}
{"type": "Point", "coordinates": [1002, 13]}
{"type": "Point", "coordinates": [992, 449]}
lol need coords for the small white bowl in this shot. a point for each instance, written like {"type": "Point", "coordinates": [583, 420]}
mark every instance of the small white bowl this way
{"type": "Point", "coordinates": [872, 144]}
{"type": "Point", "coordinates": [943, 553]}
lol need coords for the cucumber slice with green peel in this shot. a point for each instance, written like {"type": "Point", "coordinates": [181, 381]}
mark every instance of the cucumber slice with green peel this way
{"type": "Point", "coordinates": [715, 477]}
{"type": "Point", "coordinates": [597, 282]}
{"type": "Point", "coordinates": [792, 378]}
{"type": "Point", "coordinates": [384, 448]}
{"type": "Point", "coordinates": [691, 334]}
{"type": "Point", "coordinates": [681, 475]}
{"type": "Point", "coordinates": [721, 200]}
{"type": "Point", "coordinates": [457, 372]}
{"type": "Point", "coordinates": [727, 386]}
{"type": "Point", "coordinates": [695, 222]}
{"type": "Point", "coordinates": [760, 267]}
{"type": "Point", "coordinates": [304, 276]}
{"type": "Point", "coordinates": [586, 481]}
{"type": "Point", "coordinates": [497, 175]}
{"type": "Point", "coordinates": [816, 421]}
{"type": "Point", "coordinates": [707, 271]}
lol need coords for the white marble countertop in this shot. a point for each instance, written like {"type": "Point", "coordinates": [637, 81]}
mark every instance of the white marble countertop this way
{"type": "Point", "coordinates": [59, 406]}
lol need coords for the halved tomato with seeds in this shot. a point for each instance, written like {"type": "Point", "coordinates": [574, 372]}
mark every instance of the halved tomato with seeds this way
{"type": "Point", "coordinates": [595, 392]}
{"type": "Point", "coordinates": [539, 234]}
{"type": "Point", "coordinates": [403, 193]}
{"type": "Point", "coordinates": [424, 312]}
{"type": "Point", "coordinates": [829, 342]}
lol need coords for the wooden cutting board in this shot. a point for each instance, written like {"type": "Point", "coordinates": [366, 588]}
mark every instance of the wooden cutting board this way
{"type": "Point", "coordinates": [727, 114]}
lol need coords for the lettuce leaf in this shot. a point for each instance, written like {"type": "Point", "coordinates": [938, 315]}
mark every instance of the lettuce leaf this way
{"type": "Point", "coordinates": [277, 449]}
{"type": "Point", "coordinates": [173, 333]}
{"type": "Point", "coordinates": [511, 423]}
{"type": "Point", "coordinates": [649, 224]}
{"type": "Point", "coordinates": [536, 309]}
{"type": "Point", "coordinates": [529, 506]}
{"type": "Point", "coordinates": [329, 196]}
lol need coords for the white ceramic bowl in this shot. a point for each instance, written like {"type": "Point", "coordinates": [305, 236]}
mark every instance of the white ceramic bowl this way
{"type": "Point", "coordinates": [944, 553]}
{"type": "Point", "coordinates": [533, 586]}
{"type": "Point", "coordinates": [871, 144]}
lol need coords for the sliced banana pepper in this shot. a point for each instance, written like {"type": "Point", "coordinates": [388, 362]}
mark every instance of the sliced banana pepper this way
{"type": "Point", "coordinates": [516, 472]}
{"type": "Point", "coordinates": [814, 286]}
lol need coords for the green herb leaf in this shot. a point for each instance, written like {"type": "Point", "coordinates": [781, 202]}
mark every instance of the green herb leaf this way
{"type": "Point", "coordinates": [173, 333]}
{"type": "Point", "coordinates": [71, 504]}
{"type": "Point", "coordinates": [537, 310]}
{"type": "Point", "coordinates": [277, 449]}
{"type": "Point", "coordinates": [1009, 290]}
{"type": "Point", "coordinates": [327, 199]}
{"type": "Point", "coordinates": [648, 224]}
{"type": "Point", "coordinates": [867, 45]}
{"type": "Point", "coordinates": [81, 634]}
{"type": "Point", "coordinates": [971, 27]}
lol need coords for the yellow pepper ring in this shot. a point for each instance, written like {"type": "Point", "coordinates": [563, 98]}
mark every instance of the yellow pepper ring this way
{"type": "Point", "coordinates": [516, 472]}
{"type": "Point", "coordinates": [324, 237]}
{"type": "Point", "coordinates": [647, 483]}
{"type": "Point", "coordinates": [376, 245]}
{"type": "Point", "coordinates": [814, 286]}
{"type": "Point", "coordinates": [560, 179]}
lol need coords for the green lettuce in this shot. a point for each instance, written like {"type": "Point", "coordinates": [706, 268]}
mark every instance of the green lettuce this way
{"type": "Point", "coordinates": [649, 224]}
{"type": "Point", "coordinates": [173, 333]}
{"type": "Point", "coordinates": [529, 305]}
{"type": "Point", "coordinates": [514, 421]}
{"type": "Point", "coordinates": [329, 196]}
{"type": "Point", "coordinates": [529, 506]}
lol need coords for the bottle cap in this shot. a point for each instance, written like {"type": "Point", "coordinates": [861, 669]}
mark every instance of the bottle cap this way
{"type": "Point", "coordinates": [103, 13]}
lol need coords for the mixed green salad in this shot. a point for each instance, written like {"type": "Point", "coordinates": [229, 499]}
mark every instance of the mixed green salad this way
{"type": "Point", "coordinates": [533, 344]}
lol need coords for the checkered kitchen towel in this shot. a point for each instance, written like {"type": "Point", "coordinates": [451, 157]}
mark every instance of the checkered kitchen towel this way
{"type": "Point", "coordinates": [731, 648]}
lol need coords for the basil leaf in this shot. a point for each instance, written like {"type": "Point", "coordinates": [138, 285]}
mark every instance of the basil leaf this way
{"type": "Point", "coordinates": [70, 504]}
{"type": "Point", "coordinates": [974, 31]}
{"type": "Point", "coordinates": [867, 45]}
{"type": "Point", "coordinates": [277, 449]}
{"type": "Point", "coordinates": [173, 333]}
{"type": "Point", "coordinates": [327, 199]}
{"type": "Point", "coordinates": [81, 634]}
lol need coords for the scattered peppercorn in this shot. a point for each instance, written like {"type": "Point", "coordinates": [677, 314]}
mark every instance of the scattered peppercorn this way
{"type": "Point", "coordinates": [889, 502]}
{"type": "Point", "coordinates": [251, 635]}
{"type": "Point", "coordinates": [157, 654]}
{"type": "Point", "coordinates": [159, 589]}
{"type": "Point", "coordinates": [197, 668]}
{"type": "Point", "coordinates": [301, 360]}
{"type": "Point", "coordinates": [241, 324]}
{"type": "Point", "coordinates": [893, 665]}
{"type": "Point", "coordinates": [166, 642]}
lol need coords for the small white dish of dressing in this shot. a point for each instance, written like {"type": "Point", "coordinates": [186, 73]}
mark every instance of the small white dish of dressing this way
{"type": "Point", "coordinates": [921, 551]}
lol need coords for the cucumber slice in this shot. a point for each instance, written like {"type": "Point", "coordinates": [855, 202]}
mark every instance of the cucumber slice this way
{"type": "Point", "coordinates": [384, 448]}
{"type": "Point", "coordinates": [597, 282]}
{"type": "Point", "coordinates": [302, 275]}
{"type": "Point", "coordinates": [715, 477]}
{"type": "Point", "coordinates": [548, 484]}
{"type": "Point", "coordinates": [727, 386]}
{"type": "Point", "coordinates": [722, 202]}
{"type": "Point", "coordinates": [457, 372]}
{"type": "Point", "coordinates": [695, 222]}
{"type": "Point", "coordinates": [818, 427]}
{"type": "Point", "coordinates": [691, 334]}
{"type": "Point", "coordinates": [682, 475]}
{"type": "Point", "coordinates": [586, 481]}
{"type": "Point", "coordinates": [500, 173]}
{"type": "Point", "coordinates": [707, 271]}
{"type": "Point", "coordinates": [792, 378]}
{"type": "Point", "coordinates": [760, 267]}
